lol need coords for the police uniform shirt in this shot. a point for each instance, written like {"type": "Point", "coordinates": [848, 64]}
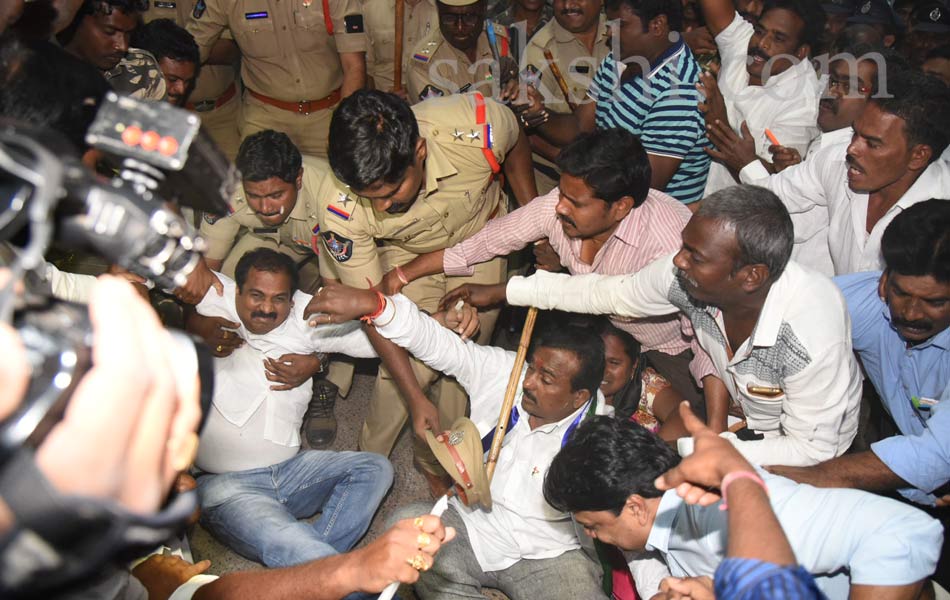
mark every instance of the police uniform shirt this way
{"type": "Point", "coordinates": [137, 75]}
{"type": "Point", "coordinates": [419, 20]}
{"type": "Point", "coordinates": [296, 232]}
{"type": "Point", "coordinates": [576, 64]}
{"type": "Point", "coordinates": [436, 68]}
{"type": "Point", "coordinates": [286, 50]}
{"type": "Point", "coordinates": [458, 197]}
{"type": "Point", "coordinates": [213, 79]}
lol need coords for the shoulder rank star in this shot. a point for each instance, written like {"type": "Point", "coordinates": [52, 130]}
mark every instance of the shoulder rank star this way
{"type": "Point", "coordinates": [344, 198]}
{"type": "Point", "coordinates": [457, 135]}
{"type": "Point", "coordinates": [475, 135]}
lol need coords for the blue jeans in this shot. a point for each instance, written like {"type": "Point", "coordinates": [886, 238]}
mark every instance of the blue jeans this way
{"type": "Point", "coordinates": [256, 512]}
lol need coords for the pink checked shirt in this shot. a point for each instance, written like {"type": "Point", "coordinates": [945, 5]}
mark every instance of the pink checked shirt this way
{"type": "Point", "coordinates": [648, 232]}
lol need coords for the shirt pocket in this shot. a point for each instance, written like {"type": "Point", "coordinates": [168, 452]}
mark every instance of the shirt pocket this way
{"type": "Point", "coordinates": [310, 28]}
{"type": "Point", "coordinates": [256, 34]}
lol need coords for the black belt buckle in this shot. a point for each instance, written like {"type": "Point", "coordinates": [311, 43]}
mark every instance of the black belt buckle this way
{"type": "Point", "coordinates": [205, 105]}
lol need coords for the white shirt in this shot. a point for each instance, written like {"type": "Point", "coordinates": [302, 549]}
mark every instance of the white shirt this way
{"type": "Point", "coordinates": [842, 537]}
{"type": "Point", "coordinates": [811, 227]}
{"type": "Point", "coordinates": [801, 347]}
{"type": "Point", "coordinates": [241, 387]}
{"type": "Point", "coordinates": [786, 105]}
{"type": "Point", "coordinates": [521, 524]}
{"type": "Point", "coordinates": [822, 180]}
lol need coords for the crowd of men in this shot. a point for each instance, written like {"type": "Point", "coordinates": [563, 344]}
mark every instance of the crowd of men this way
{"type": "Point", "coordinates": [753, 198]}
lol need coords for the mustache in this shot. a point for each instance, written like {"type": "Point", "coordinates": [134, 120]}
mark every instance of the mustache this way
{"type": "Point", "coordinates": [526, 394]}
{"type": "Point", "coordinates": [758, 52]}
{"type": "Point", "coordinates": [258, 314]}
{"type": "Point", "coordinates": [852, 162]}
{"type": "Point", "coordinates": [920, 324]}
{"type": "Point", "coordinates": [830, 104]}
{"type": "Point", "coordinates": [684, 277]}
{"type": "Point", "coordinates": [572, 11]}
{"type": "Point", "coordinates": [567, 220]}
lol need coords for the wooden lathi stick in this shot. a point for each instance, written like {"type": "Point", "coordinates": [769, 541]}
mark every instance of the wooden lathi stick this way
{"type": "Point", "coordinates": [397, 66]}
{"type": "Point", "coordinates": [509, 402]}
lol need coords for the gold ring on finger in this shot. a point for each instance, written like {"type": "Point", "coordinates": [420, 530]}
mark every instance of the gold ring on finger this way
{"type": "Point", "coordinates": [220, 348]}
{"type": "Point", "coordinates": [423, 540]}
{"type": "Point", "coordinates": [418, 522]}
{"type": "Point", "coordinates": [417, 562]}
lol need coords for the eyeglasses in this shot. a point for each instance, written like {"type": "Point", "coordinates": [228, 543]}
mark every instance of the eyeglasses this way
{"type": "Point", "coordinates": [467, 19]}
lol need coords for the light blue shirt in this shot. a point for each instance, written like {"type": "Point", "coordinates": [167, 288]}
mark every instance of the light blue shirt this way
{"type": "Point", "coordinates": [921, 455]}
{"type": "Point", "coordinates": [836, 534]}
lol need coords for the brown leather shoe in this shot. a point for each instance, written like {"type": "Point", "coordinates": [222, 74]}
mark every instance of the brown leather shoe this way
{"type": "Point", "coordinates": [439, 484]}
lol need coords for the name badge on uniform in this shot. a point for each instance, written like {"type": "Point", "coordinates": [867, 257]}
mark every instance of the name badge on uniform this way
{"type": "Point", "coordinates": [255, 15]}
{"type": "Point", "coordinates": [164, 4]}
{"type": "Point", "coordinates": [580, 68]}
{"type": "Point", "coordinates": [353, 23]}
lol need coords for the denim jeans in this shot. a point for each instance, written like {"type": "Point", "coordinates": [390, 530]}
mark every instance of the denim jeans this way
{"type": "Point", "coordinates": [256, 512]}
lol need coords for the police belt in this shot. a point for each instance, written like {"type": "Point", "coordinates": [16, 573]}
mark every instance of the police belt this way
{"type": "Point", "coordinates": [304, 107]}
{"type": "Point", "coordinates": [206, 105]}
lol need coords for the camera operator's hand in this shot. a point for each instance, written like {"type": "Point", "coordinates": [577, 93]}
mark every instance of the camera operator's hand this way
{"type": "Point", "coordinates": [199, 281]}
{"type": "Point", "coordinates": [217, 333]}
{"type": "Point", "coordinates": [162, 575]}
{"type": "Point", "coordinates": [130, 424]}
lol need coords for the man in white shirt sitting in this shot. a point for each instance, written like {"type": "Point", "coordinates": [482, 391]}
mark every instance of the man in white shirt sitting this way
{"type": "Point", "coordinates": [254, 482]}
{"type": "Point", "coordinates": [777, 333]}
{"type": "Point", "coordinates": [856, 544]}
{"type": "Point", "coordinates": [522, 546]}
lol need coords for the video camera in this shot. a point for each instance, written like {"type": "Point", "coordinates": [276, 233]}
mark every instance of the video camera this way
{"type": "Point", "coordinates": [160, 158]}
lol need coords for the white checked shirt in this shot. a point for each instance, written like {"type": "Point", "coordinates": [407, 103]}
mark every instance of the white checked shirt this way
{"type": "Point", "coordinates": [822, 181]}
{"type": "Point", "coordinates": [649, 231]}
{"type": "Point", "coordinates": [787, 104]}
{"type": "Point", "coordinates": [521, 523]}
{"type": "Point", "coordinates": [800, 347]}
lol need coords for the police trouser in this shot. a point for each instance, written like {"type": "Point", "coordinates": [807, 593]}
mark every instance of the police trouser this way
{"type": "Point", "coordinates": [222, 125]}
{"type": "Point", "coordinates": [309, 132]}
{"type": "Point", "coordinates": [388, 412]}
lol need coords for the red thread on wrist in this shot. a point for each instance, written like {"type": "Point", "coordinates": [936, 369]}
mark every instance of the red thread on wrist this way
{"type": "Point", "coordinates": [380, 307]}
{"type": "Point", "coordinates": [729, 478]}
{"type": "Point", "coordinates": [401, 276]}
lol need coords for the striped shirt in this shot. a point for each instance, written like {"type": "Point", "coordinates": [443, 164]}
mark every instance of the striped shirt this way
{"type": "Point", "coordinates": [750, 579]}
{"type": "Point", "coordinates": [646, 233]}
{"type": "Point", "coordinates": [662, 109]}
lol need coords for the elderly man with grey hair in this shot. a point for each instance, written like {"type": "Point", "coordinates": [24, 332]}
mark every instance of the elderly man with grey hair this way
{"type": "Point", "coordinates": [777, 332]}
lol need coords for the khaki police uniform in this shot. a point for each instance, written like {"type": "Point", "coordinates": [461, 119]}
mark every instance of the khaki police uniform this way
{"type": "Point", "coordinates": [436, 68]}
{"type": "Point", "coordinates": [577, 65]}
{"type": "Point", "coordinates": [137, 75]}
{"type": "Point", "coordinates": [215, 97]}
{"type": "Point", "coordinates": [231, 236]}
{"type": "Point", "coordinates": [418, 21]}
{"type": "Point", "coordinates": [460, 194]}
{"type": "Point", "coordinates": [290, 62]}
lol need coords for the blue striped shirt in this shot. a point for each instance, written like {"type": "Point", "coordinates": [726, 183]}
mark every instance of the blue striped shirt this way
{"type": "Point", "coordinates": [662, 110]}
{"type": "Point", "coordinates": [749, 579]}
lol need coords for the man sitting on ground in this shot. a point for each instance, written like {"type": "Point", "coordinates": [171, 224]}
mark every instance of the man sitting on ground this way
{"type": "Point", "coordinates": [254, 482]}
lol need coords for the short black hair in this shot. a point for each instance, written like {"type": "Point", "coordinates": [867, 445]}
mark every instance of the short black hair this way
{"type": "Point", "coordinates": [917, 241]}
{"type": "Point", "coordinates": [887, 60]}
{"type": "Point", "coordinates": [939, 52]}
{"type": "Point", "coordinates": [584, 343]}
{"type": "Point", "coordinates": [763, 228]}
{"type": "Point", "coordinates": [165, 39]}
{"type": "Point", "coordinates": [612, 162]}
{"type": "Point", "coordinates": [266, 259]}
{"type": "Point", "coordinates": [267, 154]}
{"type": "Point", "coordinates": [90, 8]}
{"type": "Point", "coordinates": [648, 10]}
{"type": "Point", "coordinates": [921, 102]}
{"type": "Point", "coordinates": [43, 85]}
{"type": "Point", "coordinates": [605, 462]}
{"type": "Point", "coordinates": [810, 12]}
{"type": "Point", "coordinates": [373, 138]}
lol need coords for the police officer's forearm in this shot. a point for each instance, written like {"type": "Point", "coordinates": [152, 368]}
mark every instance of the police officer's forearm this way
{"type": "Point", "coordinates": [396, 360]}
{"type": "Point", "coordinates": [562, 129]}
{"type": "Point", "coordinates": [520, 172]}
{"type": "Point", "coordinates": [354, 72]}
{"type": "Point", "coordinates": [224, 52]}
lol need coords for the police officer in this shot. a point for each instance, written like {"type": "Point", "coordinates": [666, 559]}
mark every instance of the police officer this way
{"type": "Point", "coordinates": [577, 41]}
{"type": "Point", "coordinates": [298, 58]}
{"type": "Point", "coordinates": [456, 56]}
{"type": "Point", "coordinates": [214, 96]}
{"type": "Point", "coordinates": [419, 19]}
{"type": "Point", "coordinates": [411, 181]}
